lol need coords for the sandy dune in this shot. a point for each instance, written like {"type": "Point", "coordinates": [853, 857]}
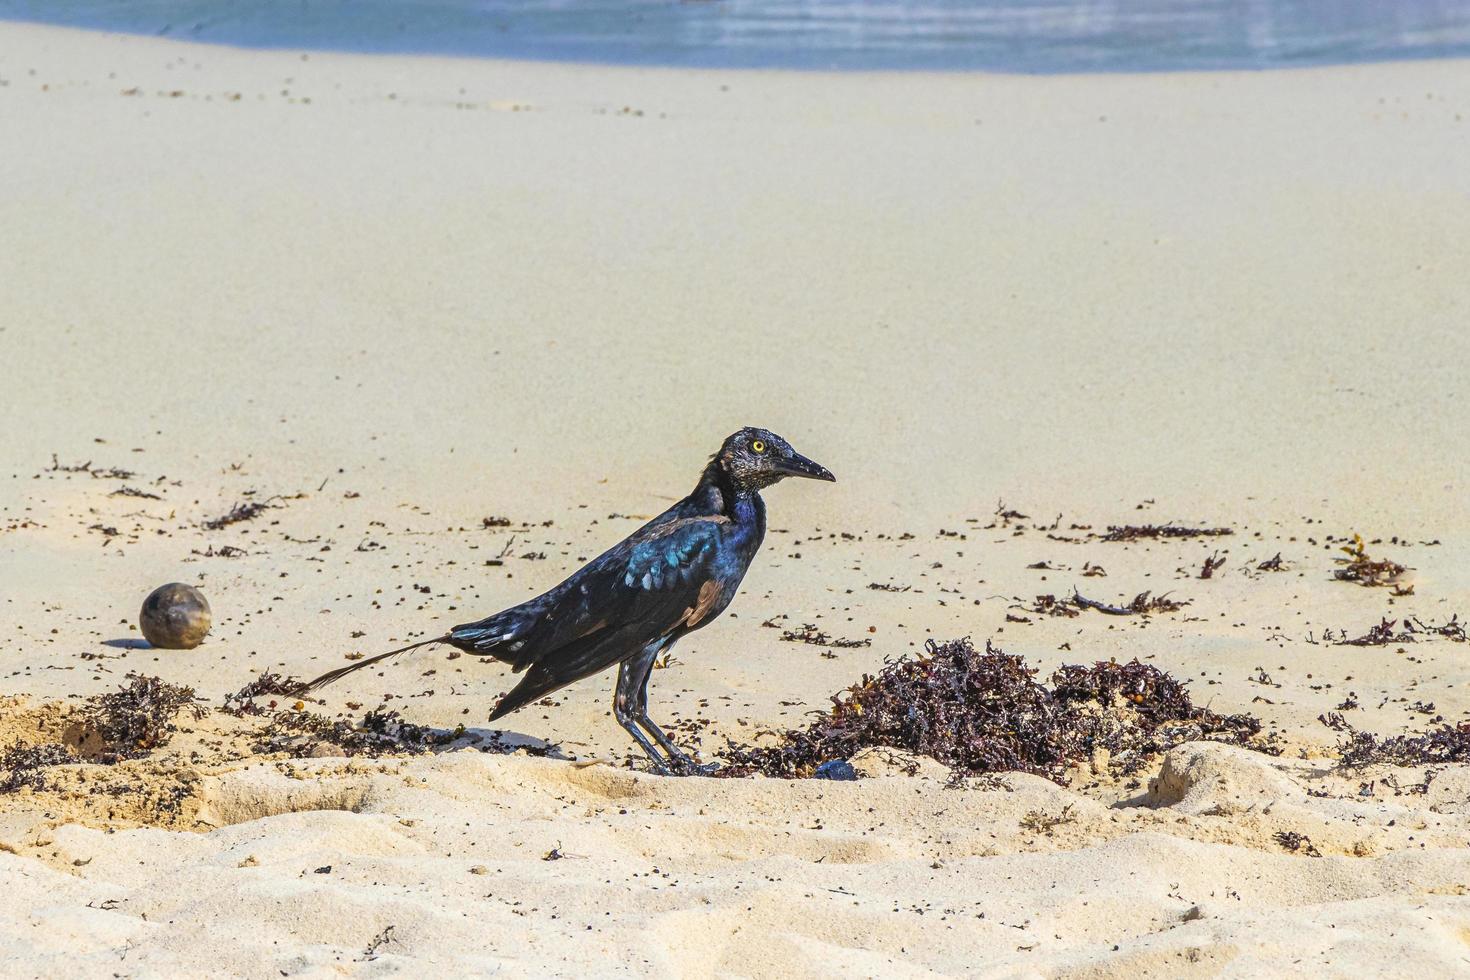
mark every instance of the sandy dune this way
{"type": "Point", "coordinates": [394, 298]}
{"type": "Point", "coordinates": [471, 863]}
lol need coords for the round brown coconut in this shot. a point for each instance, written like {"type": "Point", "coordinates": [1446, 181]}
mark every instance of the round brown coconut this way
{"type": "Point", "coordinates": [175, 617]}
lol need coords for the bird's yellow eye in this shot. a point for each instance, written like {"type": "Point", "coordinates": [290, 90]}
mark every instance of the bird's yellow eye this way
{"type": "Point", "coordinates": [758, 446]}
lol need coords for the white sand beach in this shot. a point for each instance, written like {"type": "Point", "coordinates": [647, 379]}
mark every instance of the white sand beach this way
{"type": "Point", "coordinates": [395, 297]}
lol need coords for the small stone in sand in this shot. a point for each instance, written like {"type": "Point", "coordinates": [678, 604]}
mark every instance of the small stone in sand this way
{"type": "Point", "coordinates": [175, 617]}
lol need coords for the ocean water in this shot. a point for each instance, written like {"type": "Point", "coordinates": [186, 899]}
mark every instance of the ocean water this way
{"type": "Point", "coordinates": [1033, 36]}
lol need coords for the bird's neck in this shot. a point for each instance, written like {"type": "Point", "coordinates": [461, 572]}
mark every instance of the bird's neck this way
{"type": "Point", "coordinates": [749, 511]}
{"type": "Point", "coordinates": [716, 493]}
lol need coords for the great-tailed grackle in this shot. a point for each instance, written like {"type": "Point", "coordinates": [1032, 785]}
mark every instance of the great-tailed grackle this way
{"type": "Point", "coordinates": [670, 577]}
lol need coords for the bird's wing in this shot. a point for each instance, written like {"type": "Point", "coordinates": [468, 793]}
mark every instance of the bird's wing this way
{"type": "Point", "coordinates": [656, 582]}
{"type": "Point", "coordinates": [641, 580]}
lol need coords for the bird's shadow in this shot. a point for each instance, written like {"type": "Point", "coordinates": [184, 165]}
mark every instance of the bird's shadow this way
{"type": "Point", "coordinates": [128, 643]}
{"type": "Point", "coordinates": [498, 742]}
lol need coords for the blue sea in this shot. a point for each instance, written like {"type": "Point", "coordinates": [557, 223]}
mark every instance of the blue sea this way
{"type": "Point", "coordinates": [1030, 36]}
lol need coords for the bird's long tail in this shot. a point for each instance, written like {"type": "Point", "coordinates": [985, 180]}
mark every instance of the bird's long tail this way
{"type": "Point", "coordinates": [336, 675]}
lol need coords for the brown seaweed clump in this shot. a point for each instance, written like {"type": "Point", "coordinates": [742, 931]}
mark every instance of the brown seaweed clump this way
{"type": "Point", "coordinates": [23, 764]}
{"type": "Point", "coordinates": [139, 717]}
{"type": "Point", "coordinates": [268, 684]}
{"type": "Point", "coordinates": [1448, 743]}
{"type": "Point", "coordinates": [108, 728]}
{"type": "Point", "coordinates": [1363, 569]}
{"type": "Point", "coordinates": [983, 711]}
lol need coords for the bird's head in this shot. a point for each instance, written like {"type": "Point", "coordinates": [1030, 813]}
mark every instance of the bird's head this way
{"type": "Point", "coordinates": [756, 458]}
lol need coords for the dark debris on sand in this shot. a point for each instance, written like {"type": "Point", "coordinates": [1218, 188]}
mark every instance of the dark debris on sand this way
{"type": "Point", "coordinates": [126, 724]}
{"type": "Point", "coordinates": [268, 684]}
{"type": "Point", "coordinates": [1296, 843]}
{"type": "Point", "coordinates": [808, 633]}
{"type": "Point", "coordinates": [23, 765]}
{"type": "Point", "coordinates": [1407, 630]}
{"type": "Point", "coordinates": [300, 733]}
{"type": "Point", "coordinates": [1148, 532]}
{"type": "Point", "coordinates": [1360, 567]}
{"type": "Point", "coordinates": [247, 511]}
{"type": "Point", "coordinates": [1447, 743]}
{"type": "Point", "coordinates": [140, 717]}
{"type": "Point", "coordinates": [304, 733]}
{"type": "Point", "coordinates": [983, 711]}
{"type": "Point", "coordinates": [1143, 604]}
{"type": "Point", "coordinates": [101, 473]}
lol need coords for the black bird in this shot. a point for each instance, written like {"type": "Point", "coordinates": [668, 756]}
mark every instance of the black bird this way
{"type": "Point", "coordinates": [670, 577]}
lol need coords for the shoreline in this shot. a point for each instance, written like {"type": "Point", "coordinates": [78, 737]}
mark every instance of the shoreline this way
{"type": "Point", "coordinates": [883, 50]}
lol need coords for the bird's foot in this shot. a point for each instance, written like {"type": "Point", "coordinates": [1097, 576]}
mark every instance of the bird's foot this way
{"type": "Point", "coordinates": [682, 765]}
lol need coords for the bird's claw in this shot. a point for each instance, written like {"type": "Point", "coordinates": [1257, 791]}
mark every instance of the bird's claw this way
{"type": "Point", "coordinates": [682, 765]}
{"type": "Point", "coordinates": [699, 769]}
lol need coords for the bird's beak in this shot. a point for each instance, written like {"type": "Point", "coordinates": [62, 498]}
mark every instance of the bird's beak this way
{"type": "Point", "coordinates": [798, 465]}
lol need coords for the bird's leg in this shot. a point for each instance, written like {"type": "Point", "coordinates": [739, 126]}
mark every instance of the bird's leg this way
{"type": "Point", "coordinates": [624, 710]}
{"type": "Point", "coordinates": [677, 756]}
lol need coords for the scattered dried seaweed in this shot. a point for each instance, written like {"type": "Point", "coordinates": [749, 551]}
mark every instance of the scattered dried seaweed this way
{"type": "Point", "coordinates": [1135, 532]}
{"type": "Point", "coordinates": [1453, 630]}
{"type": "Point", "coordinates": [1408, 630]}
{"type": "Point", "coordinates": [1447, 743]}
{"type": "Point", "coordinates": [1050, 605]}
{"type": "Point", "coordinates": [1004, 516]}
{"type": "Point", "coordinates": [378, 942]}
{"type": "Point", "coordinates": [134, 492]}
{"type": "Point", "coordinates": [57, 466]}
{"type": "Point", "coordinates": [139, 717]}
{"type": "Point", "coordinates": [1381, 635]}
{"type": "Point", "coordinates": [1142, 605]}
{"type": "Point", "coordinates": [1363, 569]}
{"type": "Point", "coordinates": [247, 511]}
{"type": "Point", "coordinates": [105, 473]}
{"type": "Point", "coordinates": [268, 684]}
{"type": "Point", "coordinates": [223, 551]}
{"type": "Point", "coordinates": [982, 711]}
{"type": "Point", "coordinates": [303, 733]}
{"type": "Point", "coordinates": [25, 765]}
{"type": "Point", "coordinates": [1272, 564]}
{"type": "Point", "coordinates": [1041, 822]}
{"type": "Point", "coordinates": [1296, 843]}
{"type": "Point", "coordinates": [1211, 566]}
{"type": "Point", "coordinates": [809, 633]}
{"type": "Point", "coordinates": [107, 531]}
